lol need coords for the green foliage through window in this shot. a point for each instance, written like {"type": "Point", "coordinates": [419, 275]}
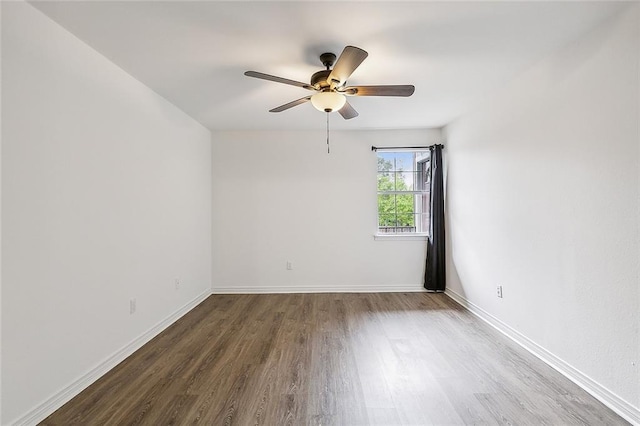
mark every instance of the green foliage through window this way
{"type": "Point", "coordinates": [401, 195]}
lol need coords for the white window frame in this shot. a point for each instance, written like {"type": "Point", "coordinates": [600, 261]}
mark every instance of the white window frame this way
{"type": "Point", "coordinates": [422, 190]}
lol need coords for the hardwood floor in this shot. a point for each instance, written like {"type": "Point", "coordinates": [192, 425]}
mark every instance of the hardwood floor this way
{"type": "Point", "coordinates": [332, 359]}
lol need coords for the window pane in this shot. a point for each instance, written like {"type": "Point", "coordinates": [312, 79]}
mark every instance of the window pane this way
{"type": "Point", "coordinates": [385, 181]}
{"type": "Point", "coordinates": [387, 220]}
{"type": "Point", "coordinates": [397, 181]}
{"type": "Point", "coordinates": [404, 181]}
{"type": "Point", "coordinates": [405, 161]}
{"type": "Point", "coordinates": [404, 203]}
{"type": "Point", "coordinates": [406, 219]}
{"type": "Point", "coordinates": [385, 161]}
{"type": "Point", "coordinates": [386, 204]}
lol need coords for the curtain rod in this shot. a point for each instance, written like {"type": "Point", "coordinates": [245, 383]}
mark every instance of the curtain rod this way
{"type": "Point", "coordinates": [395, 148]}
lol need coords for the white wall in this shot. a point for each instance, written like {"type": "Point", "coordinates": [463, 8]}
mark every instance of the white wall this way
{"type": "Point", "coordinates": [280, 197]}
{"type": "Point", "coordinates": [543, 200]}
{"type": "Point", "coordinates": [105, 197]}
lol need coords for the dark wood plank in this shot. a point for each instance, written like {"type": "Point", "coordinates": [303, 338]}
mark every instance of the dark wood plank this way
{"type": "Point", "coordinates": [332, 359]}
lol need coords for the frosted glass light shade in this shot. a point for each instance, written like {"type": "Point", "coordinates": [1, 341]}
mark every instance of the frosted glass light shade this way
{"type": "Point", "coordinates": [328, 101]}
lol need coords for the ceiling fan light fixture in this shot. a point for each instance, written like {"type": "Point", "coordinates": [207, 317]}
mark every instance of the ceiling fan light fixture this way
{"type": "Point", "coordinates": [328, 101]}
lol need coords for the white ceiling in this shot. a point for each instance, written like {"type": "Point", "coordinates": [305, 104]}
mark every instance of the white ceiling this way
{"type": "Point", "coordinates": [194, 53]}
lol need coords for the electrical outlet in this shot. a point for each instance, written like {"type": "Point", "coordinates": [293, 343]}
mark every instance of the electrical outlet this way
{"type": "Point", "coordinates": [132, 306]}
{"type": "Point", "coordinates": [177, 283]}
{"type": "Point", "coordinates": [289, 265]}
{"type": "Point", "coordinates": [499, 291]}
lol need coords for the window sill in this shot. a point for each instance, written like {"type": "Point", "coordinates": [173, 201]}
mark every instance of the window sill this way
{"type": "Point", "coordinates": [400, 237]}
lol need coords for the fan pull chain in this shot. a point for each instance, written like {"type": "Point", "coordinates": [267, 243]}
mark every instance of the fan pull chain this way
{"type": "Point", "coordinates": [328, 147]}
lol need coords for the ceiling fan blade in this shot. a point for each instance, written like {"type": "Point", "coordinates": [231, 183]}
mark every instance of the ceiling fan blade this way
{"type": "Point", "coordinates": [264, 76]}
{"type": "Point", "coordinates": [397, 90]}
{"type": "Point", "coordinates": [291, 104]}
{"type": "Point", "coordinates": [350, 58]}
{"type": "Point", "coordinates": [347, 112]}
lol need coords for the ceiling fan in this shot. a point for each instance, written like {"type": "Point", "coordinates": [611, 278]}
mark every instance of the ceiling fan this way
{"type": "Point", "coordinates": [330, 84]}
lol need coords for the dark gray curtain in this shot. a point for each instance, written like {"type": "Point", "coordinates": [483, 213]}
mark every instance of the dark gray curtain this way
{"type": "Point", "coordinates": [434, 273]}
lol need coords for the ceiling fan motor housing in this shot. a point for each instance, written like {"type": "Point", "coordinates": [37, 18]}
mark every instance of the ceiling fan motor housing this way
{"type": "Point", "coordinates": [319, 79]}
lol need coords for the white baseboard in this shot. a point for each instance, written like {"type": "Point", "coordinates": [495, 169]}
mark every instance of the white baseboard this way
{"type": "Point", "coordinates": [604, 395]}
{"type": "Point", "coordinates": [56, 401]}
{"type": "Point", "coordinates": [255, 289]}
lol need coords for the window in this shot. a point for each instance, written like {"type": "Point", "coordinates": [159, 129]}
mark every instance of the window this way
{"type": "Point", "coordinates": [403, 192]}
